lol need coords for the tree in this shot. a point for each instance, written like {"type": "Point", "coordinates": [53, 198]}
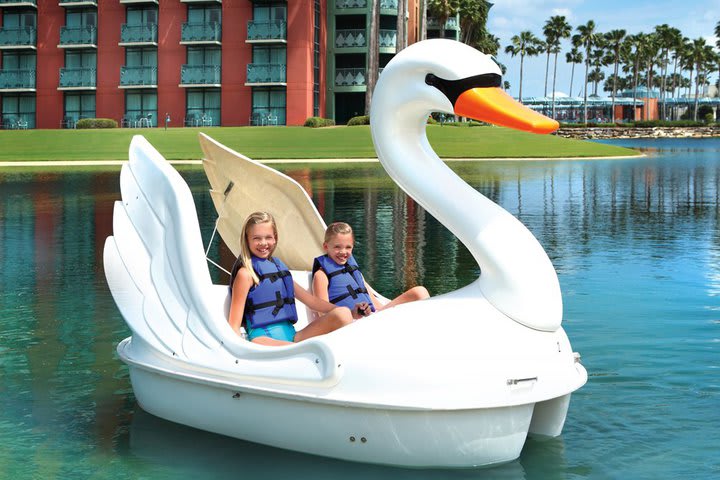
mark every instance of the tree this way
{"type": "Point", "coordinates": [614, 41]}
{"type": "Point", "coordinates": [586, 37]}
{"type": "Point", "coordinates": [701, 55]}
{"type": "Point", "coordinates": [442, 10]}
{"type": "Point", "coordinates": [574, 56]}
{"type": "Point", "coordinates": [401, 35]}
{"type": "Point", "coordinates": [373, 61]}
{"type": "Point", "coordinates": [667, 37]}
{"type": "Point", "coordinates": [556, 28]}
{"type": "Point", "coordinates": [473, 17]}
{"type": "Point", "coordinates": [524, 44]}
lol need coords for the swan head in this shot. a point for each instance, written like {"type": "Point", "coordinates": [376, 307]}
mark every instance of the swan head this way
{"type": "Point", "coordinates": [450, 77]}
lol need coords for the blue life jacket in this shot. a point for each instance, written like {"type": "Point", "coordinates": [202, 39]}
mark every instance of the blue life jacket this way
{"type": "Point", "coordinates": [273, 299]}
{"type": "Point", "coordinates": [346, 286]}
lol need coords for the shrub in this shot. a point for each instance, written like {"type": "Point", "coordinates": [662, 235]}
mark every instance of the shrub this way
{"type": "Point", "coordinates": [359, 120]}
{"type": "Point", "coordinates": [317, 122]}
{"type": "Point", "coordinates": [431, 121]}
{"type": "Point", "coordinates": [709, 118]}
{"type": "Point", "coordinates": [96, 123]}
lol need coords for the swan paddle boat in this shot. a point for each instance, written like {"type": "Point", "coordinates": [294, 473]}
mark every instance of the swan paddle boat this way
{"type": "Point", "coordinates": [457, 380]}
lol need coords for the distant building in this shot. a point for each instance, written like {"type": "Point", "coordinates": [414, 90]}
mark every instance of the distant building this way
{"type": "Point", "coordinates": [190, 62]}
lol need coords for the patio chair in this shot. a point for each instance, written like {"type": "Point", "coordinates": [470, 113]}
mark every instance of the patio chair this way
{"type": "Point", "coordinates": [272, 119]}
{"type": "Point", "coordinates": [22, 124]}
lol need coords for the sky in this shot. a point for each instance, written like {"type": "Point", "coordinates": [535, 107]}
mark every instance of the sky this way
{"type": "Point", "coordinates": [696, 18]}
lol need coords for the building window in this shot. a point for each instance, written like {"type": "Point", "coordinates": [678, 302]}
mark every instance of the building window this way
{"type": "Point", "coordinates": [81, 18]}
{"type": "Point", "coordinates": [15, 19]}
{"type": "Point", "coordinates": [18, 111]}
{"type": "Point", "coordinates": [140, 108]}
{"type": "Point", "coordinates": [79, 105]}
{"type": "Point", "coordinates": [203, 107]}
{"type": "Point", "coordinates": [142, 15]}
{"type": "Point", "coordinates": [268, 106]}
{"type": "Point", "coordinates": [271, 11]}
{"type": "Point", "coordinates": [203, 55]}
{"type": "Point", "coordinates": [141, 57]}
{"type": "Point", "coordinates": [198, 14]}
{"type": "Point", "coordinates": [269, 55]}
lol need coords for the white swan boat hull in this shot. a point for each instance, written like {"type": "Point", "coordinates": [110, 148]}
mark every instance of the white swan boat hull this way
{"type": "Point", "coordinates": [371, 434]}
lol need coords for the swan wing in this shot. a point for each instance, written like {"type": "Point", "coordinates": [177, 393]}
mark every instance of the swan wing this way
{"type": "Point", "coordinates": [240, 186]}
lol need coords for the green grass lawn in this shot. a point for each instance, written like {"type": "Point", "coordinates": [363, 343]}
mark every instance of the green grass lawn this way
{"type": "Point", "coordinates": [288, 142]}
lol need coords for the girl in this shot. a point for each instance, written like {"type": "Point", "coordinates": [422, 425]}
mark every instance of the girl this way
{"type": "Point", "coordinates": [337, 278]}
{"type": "Point", "coordinates": [263, 291]}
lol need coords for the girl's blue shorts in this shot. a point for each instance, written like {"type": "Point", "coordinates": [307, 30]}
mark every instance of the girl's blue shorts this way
{"type": "Point", "coordinates": [278, 331]}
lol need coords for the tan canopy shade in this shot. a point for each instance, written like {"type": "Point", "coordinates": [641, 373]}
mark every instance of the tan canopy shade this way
{"type": "Point", "coordinates": [240, 186]}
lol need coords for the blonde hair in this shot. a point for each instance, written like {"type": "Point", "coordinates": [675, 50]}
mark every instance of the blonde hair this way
{"type": "Point", "coordinates": [337, 228]}
{"type": "Point", "coordinates": [253, 219]}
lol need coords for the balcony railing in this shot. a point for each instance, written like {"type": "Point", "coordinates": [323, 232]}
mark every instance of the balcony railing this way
{"type": "Point", "coordinates": [198, 75]}
{"type": "Point", "coordinates": [388, 4]}
{"type": "Point", "coordinates": [350, 38]}
{"type": "Point", "coordinates": [139, 34]}
{"type": "Point", "coordinates": [266, 73]}
{"type": "Point", "coordinates": [209, 32]}
{"type": "Point", "coordinates": [350, 77]}
{"type": "Point", "coordinates": [388, 39]}
{"type": "Point", "coordinates": [450, 24]}
{"type": "Point", "coordinates": [78, 36]}
{"type": "Point", "coordinates": [78, 3]}
{"type": "Point", "coordinates": [78, 78]}
{"type": "Point", "coordinates": [17, 79]}
{"type": "Point", "coordinates": [18, 3]}
{"type": "Point", "coordinates": [350, 4]}
{"type": "Point", "coordinates": [130, 2]}
{"type": "Point", "coordinates": [267, 31]}
{"type": "Point", "coordinates": [141, 76]}
{"type": "Point", "coordinates": [18, 37]}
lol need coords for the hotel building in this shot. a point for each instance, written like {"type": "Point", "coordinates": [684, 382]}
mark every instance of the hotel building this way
{"type": "Point", "coordinates": [189, 62]}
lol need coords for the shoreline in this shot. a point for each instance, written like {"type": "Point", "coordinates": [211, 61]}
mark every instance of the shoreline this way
{"type": "Point", "coordinates": [117, 163]}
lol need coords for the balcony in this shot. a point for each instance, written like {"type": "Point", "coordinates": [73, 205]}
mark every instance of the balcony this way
{"type": "Point", "coordinates": [18, 37]}
{"type": "Point", "coordinates": [17, 80]}
{"type": "Point", "coordinates": [266, 74]}
{"type": "Point", "coordinates": [77, 78]}
{"type": "Point", "coordinates": [200, 1]}
{"type": "Point", "coordinates": [201, 33]}
{"type": "Point", "coordinates": [388, 4]}
{"type": "Point", "coordinates": [350, 4]}
{"type": "Point", "coordinates": [267, 32]}
{"type": "Point", "coordinates": [388, 39]}
{"type": "Point", "coordinates": [78, 3]}
{"type": "Point", "coordinates": [350, 77]}
{"type": "Point", "coordinates": [451, 24]}
{"type": "Point", "coordinates": [200, 76]}
{"type": "Point", "coordinates": [18, 3]}
{"type": "Point", "coordinates": [350, 38]}
{"type": "Point", "coordinates": [78, 37]}
{"type": "Point", "coordinates": [136, 77]}
{"type": "Point", "coordinates": [131, 35]}
{"type": "Point", "coordinates": [132, 2]}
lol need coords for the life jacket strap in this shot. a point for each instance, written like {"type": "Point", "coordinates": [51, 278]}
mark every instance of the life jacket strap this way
{"type": "Point", "coordinates": [274, 276]}
{"type": "Point", "coordinates": [346, 269]}
{"type": "Point", "coordinates": [278, 303]}
{"type": "Point", "coordinates": [350, 293]}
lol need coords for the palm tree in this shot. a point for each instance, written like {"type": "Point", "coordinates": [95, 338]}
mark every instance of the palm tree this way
{"type": "Point", "coordinates": [614, 39]}
{"type": "Point", "coordinates": [700, 54]}
{"type": "Point", "coordinates": [717, 44]}
{"type": "Point", "coordinates": [574, 56]}
{"type": "Point", "coordinates": [401, 37]}
{"type": "Point", "coordinates": [373, 52]}
{"type": "Point", "coordinates": [649, 52]}
{"type": "Point", "coordinates": [668, 38]}
{"type": "Point", "coordinates": [586, 37]}
{"type": "Point", "coordinates": [556, 28]}
{"type": "Point", "coordinates": [473, 17]}
{"type": "Point", "coordinates": [524, 44]}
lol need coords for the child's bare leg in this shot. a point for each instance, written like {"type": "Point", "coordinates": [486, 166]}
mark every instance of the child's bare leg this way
{"type": "Point", "coordinates": [334, 319]}
{"type": "Point", "coordinates": [270, 341]}
{"type": "Point", "coordinates": [415, 293]}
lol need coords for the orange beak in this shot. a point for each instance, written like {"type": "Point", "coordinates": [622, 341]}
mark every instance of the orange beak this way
{"type": "Point", "coordinates": [493, 105]}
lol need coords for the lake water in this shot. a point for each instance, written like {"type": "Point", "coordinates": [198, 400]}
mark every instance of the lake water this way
{"type": "Point", "coordinates": [636, 244]}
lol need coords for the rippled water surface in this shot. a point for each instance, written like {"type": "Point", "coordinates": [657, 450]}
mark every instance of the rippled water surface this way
{"type": "Point", "coordinates": [636, 244]}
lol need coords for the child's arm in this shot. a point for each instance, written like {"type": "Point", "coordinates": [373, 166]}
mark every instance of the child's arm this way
{"type": "Point", "coordinates": [376, 303]}
{"type": "Point", "coordinates": [241, 288]}
{"type": "Point", "coordinates": [315, 303]}
{"type": "Point", "coordinates": [320, 285]}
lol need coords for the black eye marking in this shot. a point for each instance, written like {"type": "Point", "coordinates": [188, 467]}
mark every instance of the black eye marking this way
{"type": "Point", "coordinates": [454, 88]}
